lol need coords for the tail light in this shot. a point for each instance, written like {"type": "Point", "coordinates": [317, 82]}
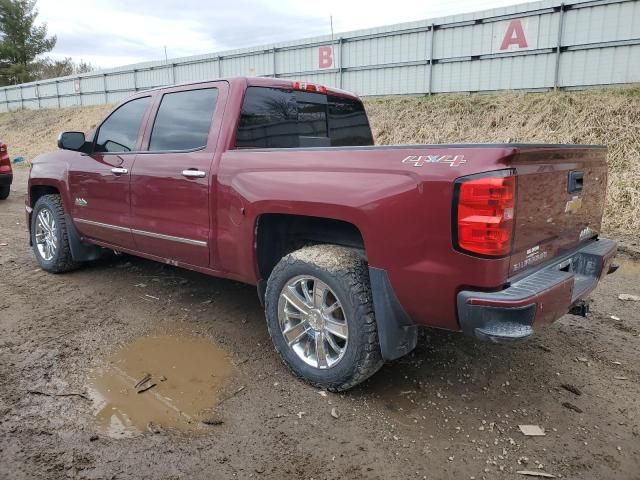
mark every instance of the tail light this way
{"type": "Point", "coordinates": [484, 214]}
{"type": "Point", "coordinates": [309, 87]}
{"type": "Point", "coordinates": [4, 156]}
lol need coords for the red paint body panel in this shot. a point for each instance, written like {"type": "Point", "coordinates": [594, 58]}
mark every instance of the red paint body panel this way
{"type": "Point", "coordinates": [108, 196]}
{"type": "Point", "coordinates": [403, 211]}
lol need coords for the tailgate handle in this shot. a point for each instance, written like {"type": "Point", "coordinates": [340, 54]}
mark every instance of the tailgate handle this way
{"type": "Point", "coordinates": [575, 181]}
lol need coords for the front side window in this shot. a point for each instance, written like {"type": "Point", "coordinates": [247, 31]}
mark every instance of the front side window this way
{"type": "Point", "coordinates": [119, 132]}
{"type": "Point", "coordinates": [183, 120]}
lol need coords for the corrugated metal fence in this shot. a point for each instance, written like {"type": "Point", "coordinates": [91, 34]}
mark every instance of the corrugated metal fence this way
{"type": "Point", "coordinates": [533, 46]}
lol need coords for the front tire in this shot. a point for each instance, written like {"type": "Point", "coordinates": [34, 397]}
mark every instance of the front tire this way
{"type": "Point", "coordinates": [49, 236]}
{"type": "Point", "coordinates": [4, 191]}
{"type": "Point", "coordinates": [320, 316]}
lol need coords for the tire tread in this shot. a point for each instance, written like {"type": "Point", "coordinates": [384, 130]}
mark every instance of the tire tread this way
{"type": "Point", "coordinates": [349, 269]}
{"type": "Point", "coordinates": [63, 262]}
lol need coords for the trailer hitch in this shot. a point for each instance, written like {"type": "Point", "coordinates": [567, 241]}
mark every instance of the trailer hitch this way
{"type": "Point", "coordinates": [580, 308]}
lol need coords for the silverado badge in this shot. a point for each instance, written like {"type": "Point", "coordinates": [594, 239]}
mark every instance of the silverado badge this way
{"type": "Point", "coordinates": [420, 160]}
{"type": "Point", "coordinates": [573, 205]}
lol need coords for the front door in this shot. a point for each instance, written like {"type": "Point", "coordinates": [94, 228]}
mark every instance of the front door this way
{"type": "Point", "coordinates": [100, 183]}
{"type": "Point", "coordinates": [171, 181]}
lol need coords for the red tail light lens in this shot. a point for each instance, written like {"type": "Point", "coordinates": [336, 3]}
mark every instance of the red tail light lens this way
{"type": "Point", "coordinates": [485, 215]}
{"type": "Point", "coordinates": [4, 156]}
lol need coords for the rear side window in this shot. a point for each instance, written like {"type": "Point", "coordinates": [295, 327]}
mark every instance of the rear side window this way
{"type": "Point", "coordinates": [119, 132]}
{"type": "Point", "coordinates": [183, 120]}
{"type": "Point", "coordinates": [279, 118]}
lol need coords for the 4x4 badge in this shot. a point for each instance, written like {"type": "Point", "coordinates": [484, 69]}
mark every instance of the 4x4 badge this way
{"type": "Point", "coordinates": [420, 160]}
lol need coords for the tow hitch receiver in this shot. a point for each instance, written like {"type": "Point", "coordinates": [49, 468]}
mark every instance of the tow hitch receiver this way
{"type": "Point", "coordinates": [580, 308]}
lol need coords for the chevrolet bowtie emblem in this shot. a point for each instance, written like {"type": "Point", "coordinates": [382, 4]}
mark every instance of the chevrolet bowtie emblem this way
{"type": "Point", "coordinates": [573, 205]}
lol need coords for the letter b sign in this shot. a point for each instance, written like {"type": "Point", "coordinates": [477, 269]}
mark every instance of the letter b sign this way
{"type": "Point", "coordinates": [325, 57]}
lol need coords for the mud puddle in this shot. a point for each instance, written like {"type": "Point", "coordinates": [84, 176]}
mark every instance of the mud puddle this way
{"type": "Point", "coordinates": [159, 382]}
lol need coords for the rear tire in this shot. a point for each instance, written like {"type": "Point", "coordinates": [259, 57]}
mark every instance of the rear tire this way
{"type": "Point", "coordinates": [49, 236]}
{"type": "Point", "coordinates": [334, 345]}
{"type": "Point", "coordinates": [4, 191]}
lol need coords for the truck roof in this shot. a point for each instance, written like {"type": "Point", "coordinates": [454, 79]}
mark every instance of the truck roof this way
{"type": "Point", "coordinates": [256, 82]}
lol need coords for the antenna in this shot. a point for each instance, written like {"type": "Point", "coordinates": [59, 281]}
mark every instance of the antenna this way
{"type": "Point", "coordinates": [166, 60]}
{"type": "Point", "coordinates": [331, 20]}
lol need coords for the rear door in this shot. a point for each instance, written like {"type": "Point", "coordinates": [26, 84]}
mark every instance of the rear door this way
{"type": "Point", "coordinates": [172, 179]}
{"type": "Point", "coordinates": [100, 183]}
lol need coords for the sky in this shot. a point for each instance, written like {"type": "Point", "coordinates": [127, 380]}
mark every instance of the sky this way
{"type": "Point", "coordinates": [111, 33]}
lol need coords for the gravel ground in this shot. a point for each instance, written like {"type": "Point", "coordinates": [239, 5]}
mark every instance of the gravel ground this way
{"type": "Point", "coordinates": [451, 409]}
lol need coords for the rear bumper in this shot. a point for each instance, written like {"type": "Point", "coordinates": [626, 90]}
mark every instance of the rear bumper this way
{"type": "Point", "coordinates": [539, 298]}
{"type": "Point", "coordinates": [6, 179]}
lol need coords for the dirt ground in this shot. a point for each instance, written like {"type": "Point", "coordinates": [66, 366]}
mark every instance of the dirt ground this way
{"type": "Point", "coordinates": [451, 409]}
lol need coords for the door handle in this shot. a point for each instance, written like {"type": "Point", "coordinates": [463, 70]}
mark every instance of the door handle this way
{"type": "Point", "coordinates": [119, 171]}
{"type": "Point", "coordinates": [194, 173]}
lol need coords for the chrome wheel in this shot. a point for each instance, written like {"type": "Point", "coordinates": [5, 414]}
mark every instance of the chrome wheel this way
{"type": "Point", "coordinates": [313, 322]}
{"type": "Point", "coordinates": [45, 234]}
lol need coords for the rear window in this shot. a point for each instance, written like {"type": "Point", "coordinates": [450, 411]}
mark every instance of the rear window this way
{"type": "Point", "coordinates": [279, 118]}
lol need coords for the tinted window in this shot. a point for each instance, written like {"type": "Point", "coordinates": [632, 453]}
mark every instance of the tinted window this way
{"type": "Point", "coordinates": [278, 118]}
{"type": "Point", "coordinates": [312, 119]}
{"type": "Point", "coordinates": [348, 123]}
{"type": "Point", "coordinates": [183, 120]}
{"type": "Point", "coordinates": [119, 132]}
{"type": "Point", "coordinates": [269, 118]}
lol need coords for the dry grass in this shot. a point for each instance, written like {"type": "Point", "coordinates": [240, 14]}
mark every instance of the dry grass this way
{"type": "Point", "coordinates": [28, 133]}
{"type": "Point", "coordinates": [610, 117]}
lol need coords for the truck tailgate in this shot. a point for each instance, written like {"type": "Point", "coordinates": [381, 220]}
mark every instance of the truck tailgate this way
{"type": "Point", "coordinates": [560, 201]}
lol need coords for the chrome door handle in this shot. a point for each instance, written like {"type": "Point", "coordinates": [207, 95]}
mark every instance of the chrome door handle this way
{"type": "Point", "coordinates": [194, 173]}
{"type": "Point", "coordinates": [119, 171]}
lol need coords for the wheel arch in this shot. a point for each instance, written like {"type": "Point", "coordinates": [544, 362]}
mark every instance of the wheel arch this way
{"type": "Point", "coordinates": [277, 234]}
{"type": "Point", "coordinates": [35, 192]}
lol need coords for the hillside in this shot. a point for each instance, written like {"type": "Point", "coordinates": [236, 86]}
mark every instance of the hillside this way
{"type": "Point", "coordinates": [609, 117]}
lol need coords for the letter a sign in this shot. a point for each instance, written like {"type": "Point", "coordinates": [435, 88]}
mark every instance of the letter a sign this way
{"type": "Point", "coordinates": [517, 34]}
{"type": "Point", "coordinates": [514, 36]}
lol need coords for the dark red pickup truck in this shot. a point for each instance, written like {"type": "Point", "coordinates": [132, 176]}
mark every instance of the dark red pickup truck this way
{"type": "Point", "coordinates": [352, 246]}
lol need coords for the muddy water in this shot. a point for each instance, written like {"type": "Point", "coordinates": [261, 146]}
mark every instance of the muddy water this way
{"type": "Point", "coordinates": [189, 374]}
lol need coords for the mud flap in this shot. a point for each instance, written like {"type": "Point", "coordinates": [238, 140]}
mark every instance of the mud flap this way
{"type": "Point", "coordinates": [80, 251]}
{"type": "Point", "coordinates": [397, 333]}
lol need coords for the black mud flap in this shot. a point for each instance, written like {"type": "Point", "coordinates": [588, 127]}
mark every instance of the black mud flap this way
{"type": "Point", "coordinates": [80, 251]}
{"type": "Point", "coordinates": [397, 333]}
{"type": "Point", "coordinates": [262, 291]}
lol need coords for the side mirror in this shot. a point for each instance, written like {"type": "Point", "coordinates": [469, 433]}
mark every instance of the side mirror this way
{"type": "Point", "coordinates": [71, 141]}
